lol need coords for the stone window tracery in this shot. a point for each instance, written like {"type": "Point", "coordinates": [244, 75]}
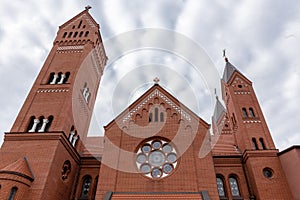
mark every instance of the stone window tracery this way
{"type": "Point", "coordinates": [156, 158]}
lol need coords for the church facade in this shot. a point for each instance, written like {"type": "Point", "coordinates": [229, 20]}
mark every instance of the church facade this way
{"type": "Point", "coordinates": [156, 149]}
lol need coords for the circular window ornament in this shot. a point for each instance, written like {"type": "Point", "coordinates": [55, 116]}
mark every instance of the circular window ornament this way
{"type": "Point", "coordinates": [156, 158]}
{"type": "Point", "coordinates": [268, 173]}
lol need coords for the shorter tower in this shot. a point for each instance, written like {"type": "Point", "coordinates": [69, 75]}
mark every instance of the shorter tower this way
{"type": "Point", "coordinates": [252, 138]}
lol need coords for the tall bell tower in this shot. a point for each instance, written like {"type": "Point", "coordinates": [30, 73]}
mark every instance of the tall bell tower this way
{"type": "Point", "coordinates": [259, 155]}
{"type": "Point", "coordinates": [47, 136]}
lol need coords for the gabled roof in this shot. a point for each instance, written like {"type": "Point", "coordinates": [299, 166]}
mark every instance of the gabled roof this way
{"type": "Point", "coordinates": [219, 109]}
{"type": "Point", "coordinates": [228, 71]}
{"type": "Point", "coordinates": [20, 167]}
{"type": "Point", "coordinates": [85, 13]}
{"type": "Point", "coordinates": [157, 91]}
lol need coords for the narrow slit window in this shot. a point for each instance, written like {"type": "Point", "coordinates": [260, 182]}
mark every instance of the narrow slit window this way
{"type": "Point", "coordinates": [51, 77]}
{"type": "Point", "coordinates": [67, 77]}
{"type": "Point", "coordinates": [75, 34]}
{"type": "Point", "coordinates": [50, 119]}
{"type": "Point", "coordinates": [156, 114]}
{"type": "Point", "coordinates": [79, 25]}
{"type": "Point", "coordinates": [150, 117]}
{"type": "Point", "coordinates": [254, 143]}
{"type": "Point", "coordinates": [262, 143]}
{"type": "Point", "coordinates": [162, 117]}
{"type": "Point", "coordinates": [12, 193]}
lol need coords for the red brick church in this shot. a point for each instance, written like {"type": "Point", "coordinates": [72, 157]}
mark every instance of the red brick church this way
{"type": "Point", "coordinates": [156, 149]}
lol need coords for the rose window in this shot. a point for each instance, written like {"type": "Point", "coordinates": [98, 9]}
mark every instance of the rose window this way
{"type": "Point", "coordinates": [156, 158]}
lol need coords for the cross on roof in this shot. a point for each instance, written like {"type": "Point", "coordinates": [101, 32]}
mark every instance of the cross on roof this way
{"type": "Point", "coordinates": [88, 7]}
{"type": "Point", "coordinates": [156, 80]}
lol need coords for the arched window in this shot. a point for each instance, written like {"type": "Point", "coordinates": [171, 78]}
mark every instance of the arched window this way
{"type": "Point", "coordinates": [30, 125]}
{"type": "Point", "coordinates": [234, 187]}
{"type": "Point", "coordinates": [150, 117]}
{"type": "Point", "coordinates": [220, 185]}
{"type": "Point", "coordinates": [254, 143]}
{"type": "Point", "coordinates": [51, 77]}
{"type": "Point", "coordinates": [75, 34]}
{"type": "Point", "coordinates": [262, 143]}
{"type": "Point", "coordinates": [251, 112]}
{"type": "Point", "coordinates": [86, 184]}
{"type": "Point", "coordinates": [244, 111]}
{"type": "Point", "coordinates": [161, 117]}
{"type": "Point", "coordinates": [50, 119]}
{"type": "Point", "coordinates": [12, 193]}
{"type": "Point", "coordinates": [80, 34]}
{"type": "Point", "coordinates": [86, 34]}
{"type": "Point", "coordinates": [40, 124]}
{"type": "Point", "coordinates": [67, 77]}
{"type": "Point", "coordinates": [70, 34]}
{"type": "Point", "coordinates": [156, 114]}
{"type": "Point", "coordinates": [65, 34]}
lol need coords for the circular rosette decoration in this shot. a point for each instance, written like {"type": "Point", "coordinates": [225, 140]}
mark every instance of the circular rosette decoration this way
{"type": "Point", "coordinates": [156, 158]}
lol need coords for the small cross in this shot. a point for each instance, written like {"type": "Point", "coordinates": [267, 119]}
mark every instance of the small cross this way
{"type": "Point", "coordinates": [156, 80]}
{"type": "Point", "coordinates": [224, 55]}
{"type": "Point", "coordinates": [88, 7]}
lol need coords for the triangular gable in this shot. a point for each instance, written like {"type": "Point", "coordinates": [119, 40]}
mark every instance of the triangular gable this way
{"type": "Point", "coordinates": [157, 91]}
{"type": "Point", "coordinates": [84, 15]}
{"type": "Point", "coordinates": [230, 72]}
{"type": "Point", "coordinates": [19, 167]}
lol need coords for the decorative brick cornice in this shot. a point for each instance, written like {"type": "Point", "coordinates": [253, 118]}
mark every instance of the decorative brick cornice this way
{"type": "Point", "coordinates": [157, 93]}
{"type": "Point", "coordinates": [52, 90]}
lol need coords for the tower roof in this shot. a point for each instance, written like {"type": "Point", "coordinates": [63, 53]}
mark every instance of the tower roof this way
{"type": "Point", "coordinates": [85, 15]}
{"type": "Point", "coordinates": [19, 167]}
{"type": "Point", "coordinates": [219, 109]}
{"type": "Point", "coordinates": [228, 71]}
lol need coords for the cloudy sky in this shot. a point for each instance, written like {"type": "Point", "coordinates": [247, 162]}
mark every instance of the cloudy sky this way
{"type": "Point", "coordinates": [261, 39]}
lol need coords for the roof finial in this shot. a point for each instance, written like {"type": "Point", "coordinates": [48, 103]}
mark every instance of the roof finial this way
{"type": "Point", "coordinates": [156, 80]}
{"type": "Point", "coordinates": [216, 94]}
{"type": "Point", "coordinates": [88, 7]}
{"type": "Point", "coordinates": [224, 55]}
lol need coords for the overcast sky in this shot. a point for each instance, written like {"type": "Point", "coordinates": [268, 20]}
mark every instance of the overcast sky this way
{"type": "Point", "coordinates": [261, 38]}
